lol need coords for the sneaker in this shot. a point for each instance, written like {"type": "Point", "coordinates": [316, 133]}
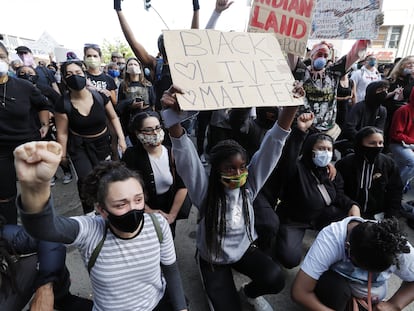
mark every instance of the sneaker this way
{"type": "Point", "coordinates": [258, 303]}
{"type": "Point", "coordinates": [67, 178]}
{"type": "Point", "coordinates": [53, 181]}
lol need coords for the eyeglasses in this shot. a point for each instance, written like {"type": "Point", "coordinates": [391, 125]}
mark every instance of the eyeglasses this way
{"type": "Point", "coordinates": [150, 130]}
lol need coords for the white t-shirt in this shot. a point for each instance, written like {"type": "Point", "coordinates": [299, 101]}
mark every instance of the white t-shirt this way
{"type": "Point", "coordinates": [162, 173]}
{"type": "Point", "coordinates": [362, 78]}
{"type": "Point", "coordinates": [328, 249]}
{"type": "Point", "coordinates": [127, 274]}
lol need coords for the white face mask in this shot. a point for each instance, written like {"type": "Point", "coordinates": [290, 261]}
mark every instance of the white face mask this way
{"type": "Point", "coordinates": [92, 62]}
{"type": "Point", "coordinates": [153, 140]}
{"type": "Point", "coordinates": [134, 70]}
{"type": "Point", "coordinates": [4, 68]}
{"type": "Point", "coordinates": [322, 157]}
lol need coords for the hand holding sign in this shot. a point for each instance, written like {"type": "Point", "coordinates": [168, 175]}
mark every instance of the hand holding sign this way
{"type": "Point", "coordinates": [172, 114]}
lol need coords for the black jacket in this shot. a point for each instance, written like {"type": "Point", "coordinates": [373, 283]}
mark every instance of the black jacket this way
{"type": "Point", "coordinates": [136, 158]}
{"type": "Point", "coordinates": [301, 199]}
{"type": "Point", "coordinates": [385, 192]}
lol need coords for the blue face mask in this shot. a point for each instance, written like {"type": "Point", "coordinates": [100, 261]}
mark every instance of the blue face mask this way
{"type": "Point", "coordinates": [372, 62]}
{"type": "Point", "coordinates": [319, 63]}
{"type": "Point", "coordinates": [113, 73]}
{"type": "Point", "coordinates": [407, 72]}
{"type": "Point", "coordinates": [322, 157]}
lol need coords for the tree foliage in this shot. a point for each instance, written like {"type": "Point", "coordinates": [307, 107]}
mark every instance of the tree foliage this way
{"type": "Point", "coordinates": [109, 47]}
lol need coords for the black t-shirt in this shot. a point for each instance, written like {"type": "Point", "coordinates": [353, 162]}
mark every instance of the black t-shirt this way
{"type": "Point", "coordinates": [19, 111]}
{"type": "Point", "coordinates": [102, 81]}
{"type": "Point", "coordinates": [93, 123]}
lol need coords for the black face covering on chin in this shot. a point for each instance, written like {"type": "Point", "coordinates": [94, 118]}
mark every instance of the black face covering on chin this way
{"type": "Point", "coordinates": [128, 222]}
{"type": "Point", "coordinates": [369, 153]}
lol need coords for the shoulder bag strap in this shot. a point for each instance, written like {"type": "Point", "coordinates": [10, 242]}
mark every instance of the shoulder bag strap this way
{"type": "Point", "coordinates": [97, 250]}
{"type": "Point", "coordinates": [156, 226]}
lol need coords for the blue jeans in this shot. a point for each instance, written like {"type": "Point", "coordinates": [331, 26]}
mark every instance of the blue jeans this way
{"type": "Point", "coordinates": [405, 161]}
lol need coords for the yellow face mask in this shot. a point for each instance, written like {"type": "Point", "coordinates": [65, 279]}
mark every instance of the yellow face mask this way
{"type": "Point", "coordinates": [234, 181]}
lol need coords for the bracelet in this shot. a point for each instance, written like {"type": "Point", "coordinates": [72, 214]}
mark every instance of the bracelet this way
{"type": "Point", "coordinates": [44, 123]}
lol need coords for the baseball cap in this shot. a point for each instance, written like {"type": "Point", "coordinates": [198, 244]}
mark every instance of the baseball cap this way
{"type": "Point", "coordinates": [23, 49]}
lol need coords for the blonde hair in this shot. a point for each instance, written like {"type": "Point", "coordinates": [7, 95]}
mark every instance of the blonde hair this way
{"type": "Point", "coordinates": [397, 71]}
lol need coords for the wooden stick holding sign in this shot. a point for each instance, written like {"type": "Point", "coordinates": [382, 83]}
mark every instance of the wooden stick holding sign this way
{"type": "Point", "coordinates": [221, 70]}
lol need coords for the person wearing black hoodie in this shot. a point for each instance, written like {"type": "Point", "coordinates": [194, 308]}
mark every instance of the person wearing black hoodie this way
{"type": "Point", "coordinates": [310, 198]}
{"type": "Point", "coordinates": [369, 112]}
{"type": "Point", "coordinates": [372, 178]}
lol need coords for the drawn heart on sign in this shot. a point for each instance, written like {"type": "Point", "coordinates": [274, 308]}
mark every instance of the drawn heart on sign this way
{"type": "Point", "coordinates": [187, 70]}
{"type": "Point", "coordinates": [189, 96]}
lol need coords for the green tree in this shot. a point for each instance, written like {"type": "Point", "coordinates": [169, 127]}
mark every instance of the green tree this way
{"type": "Point", "coordinates": [118, 46]}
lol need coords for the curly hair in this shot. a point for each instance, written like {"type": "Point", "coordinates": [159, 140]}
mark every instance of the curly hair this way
{"type": "Point", "coordinates": [375, 246]}
{"type": "Point", "coordinates": [95, 187]}
{"type": "Point", "coordinates": [215, 208]}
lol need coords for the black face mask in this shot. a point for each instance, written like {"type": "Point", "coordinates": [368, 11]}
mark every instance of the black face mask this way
{"type": "Point", "coordinates": [128, 222]}
{"type": "Point", "coordinates": [379, 98]}
{"type": "Point", "coordinates": [369, 153]}
{"type": "Point", "coordinates": [31, 78]}
{"type": "Point", "coordinates": [76, 82]}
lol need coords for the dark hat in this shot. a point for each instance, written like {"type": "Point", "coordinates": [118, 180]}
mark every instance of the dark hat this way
{"type": "Point", "coordinates": [23, 49]}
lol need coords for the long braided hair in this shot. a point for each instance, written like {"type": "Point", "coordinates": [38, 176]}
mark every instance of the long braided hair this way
{"type": "Point", "coordinates": [216, 205]}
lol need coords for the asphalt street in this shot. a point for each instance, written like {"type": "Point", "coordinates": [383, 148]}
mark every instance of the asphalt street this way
{"type": "Point", "coordinates": [67, 203]}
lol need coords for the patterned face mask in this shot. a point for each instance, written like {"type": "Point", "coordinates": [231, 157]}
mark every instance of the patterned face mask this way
{"type": "Point", "coordinates": [151, 139]}
{"type": "Point", "coordinates": [234, 181]}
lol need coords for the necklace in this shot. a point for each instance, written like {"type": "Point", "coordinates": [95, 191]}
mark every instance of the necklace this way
{"type": "Point", "coordinates": [3, 103]}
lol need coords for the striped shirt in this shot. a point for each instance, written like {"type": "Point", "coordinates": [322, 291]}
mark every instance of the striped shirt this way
{"type": "Point", "coordinates": [127, 273]}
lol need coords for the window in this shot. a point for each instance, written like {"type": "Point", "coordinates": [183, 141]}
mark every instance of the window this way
{"type": "Point", "coordinates": [388, 37]}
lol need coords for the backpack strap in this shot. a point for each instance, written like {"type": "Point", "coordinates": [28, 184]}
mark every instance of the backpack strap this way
{"type": "Point", "coordinates": [156, 226]}
{"type": "Point", "coordinates": [158, 68]}
{"type": "Point", "coordinates": [97, 250]}
{"type": "Point", "coordinates": [67, 104]}
{"type": "Point", "coordinates": [98, 97]}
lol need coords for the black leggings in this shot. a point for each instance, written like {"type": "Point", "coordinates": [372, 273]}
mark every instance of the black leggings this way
{"type": "Point", "coordinates": [333, 291]}
{"type": "Point", "coordinates": [266, 276]}
{"type": "Point", "coordinates": [85, 154]}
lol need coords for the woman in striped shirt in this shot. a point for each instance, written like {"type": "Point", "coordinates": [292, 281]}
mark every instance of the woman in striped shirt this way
{"type": "Point", "coordinates": [129, 254]}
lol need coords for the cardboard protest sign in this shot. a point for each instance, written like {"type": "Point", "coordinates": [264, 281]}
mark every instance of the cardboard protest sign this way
{"type": "Point", "coordinates": [228, 69]}
{"type": "Point", "coordinates": [290, 20]}
{"type": "Point", "coordinates": [345, 19]}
